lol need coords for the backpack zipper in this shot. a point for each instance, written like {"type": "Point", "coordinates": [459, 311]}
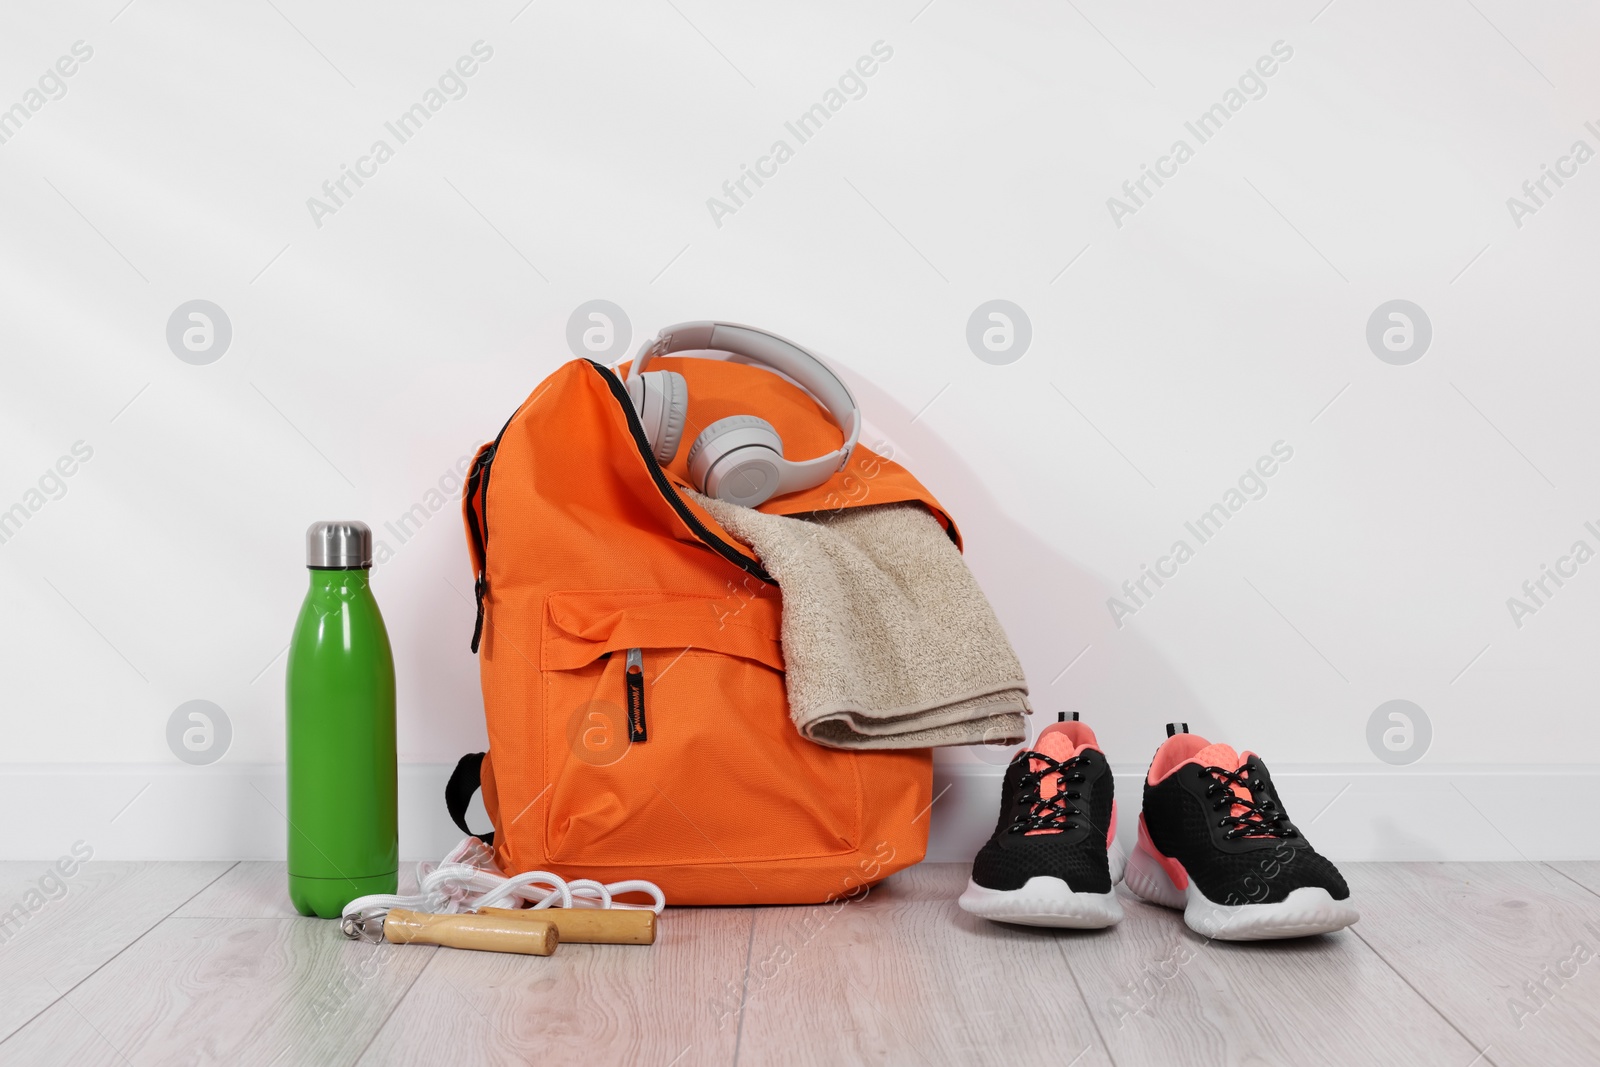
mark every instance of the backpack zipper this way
{"type": "Point", "coordinates": [634, 673]}
{"type": "Point", "coordinates": [478, 483]}
{"type": "Point", "coordinates": [619, 392]}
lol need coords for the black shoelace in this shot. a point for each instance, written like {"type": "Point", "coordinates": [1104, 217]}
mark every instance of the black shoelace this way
{"type": "Point", "coordinates": [1039, 813]}
{"type": "Point", "coordinates": [1259, 816]}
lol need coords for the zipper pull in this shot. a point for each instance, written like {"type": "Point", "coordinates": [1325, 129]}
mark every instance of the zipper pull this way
{"type": "Point", "coordinates": [635, 677]}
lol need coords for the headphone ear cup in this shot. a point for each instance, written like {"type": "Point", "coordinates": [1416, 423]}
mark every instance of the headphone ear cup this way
{"type": "Point", "coordinates": [661, 399]}
{"type": "Point", "coordinates": [738, 459]}
{"type": "Point", "coordinates": [675, 414]}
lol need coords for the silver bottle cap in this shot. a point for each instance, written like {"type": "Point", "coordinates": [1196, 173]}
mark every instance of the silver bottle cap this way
{"type": "Point", "coordinates": [344, 545]}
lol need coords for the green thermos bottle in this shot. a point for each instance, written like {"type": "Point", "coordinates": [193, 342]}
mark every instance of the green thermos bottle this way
{"type": "Point", "coordinates": [343, 820]}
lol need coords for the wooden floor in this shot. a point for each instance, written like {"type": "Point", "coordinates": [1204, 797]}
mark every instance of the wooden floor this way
{"type": "Point", "coordinates": [172, 963]}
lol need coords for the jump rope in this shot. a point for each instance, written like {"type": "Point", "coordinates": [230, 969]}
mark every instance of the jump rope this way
{"type": "Point", "coordinates": [467, 881]}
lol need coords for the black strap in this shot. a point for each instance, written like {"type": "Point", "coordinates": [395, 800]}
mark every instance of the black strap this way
{"type": "Point", "coordinates": [464, 782]}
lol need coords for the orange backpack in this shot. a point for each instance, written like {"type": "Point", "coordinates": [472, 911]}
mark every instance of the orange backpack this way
{"type": "Point", "coordinates": [589, 556]}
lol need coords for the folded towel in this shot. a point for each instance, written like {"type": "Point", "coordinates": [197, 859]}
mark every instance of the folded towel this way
{"type": "Point", "coordinates": [887, 640]}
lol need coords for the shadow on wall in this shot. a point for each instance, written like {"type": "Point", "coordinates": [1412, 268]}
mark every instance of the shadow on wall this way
{"type": "Point", "coordinates": [1052, 608]}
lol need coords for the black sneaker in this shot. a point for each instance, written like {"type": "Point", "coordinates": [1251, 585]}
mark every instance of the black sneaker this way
{"type": "Point", "coordinates": [1215, 841]}
{"type": "Point", "coordinates": [1047, 863]}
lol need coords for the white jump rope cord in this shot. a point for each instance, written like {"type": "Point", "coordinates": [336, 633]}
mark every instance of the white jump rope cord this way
{"type": "Point", "coordinates": [467, 879]}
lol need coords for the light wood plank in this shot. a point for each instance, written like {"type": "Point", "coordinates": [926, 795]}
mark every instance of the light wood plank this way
{"type": "Point", "coordinates": [901, 976]}
{"type": "Point", "coordinates": [1163, 994]}
{"type": "Point", "coordinates": [260, 991]}
{"type": "Point", "coordinates": [1585, 872]}
{"type": "Point", "coordinates": [254, 889]}
{"type": "Point", "coordinates": [586, 1003]}
{"type": "Point", "coordinates": [259, 889]}
{"type": "Point", "coordinates": [1472, 937]}
{"type": "Point", "coordinates": [926, 883]}
{"type": "Point", "coordinates": [904, 976]}
{"type": "Point", "coordinates": [63, 935]}
{"type": "Point", "coordinates": [51, 1041]}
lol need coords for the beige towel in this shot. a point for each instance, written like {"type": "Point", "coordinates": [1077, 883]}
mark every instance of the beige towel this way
{"type": "Point", "coordinates": [887, 639]}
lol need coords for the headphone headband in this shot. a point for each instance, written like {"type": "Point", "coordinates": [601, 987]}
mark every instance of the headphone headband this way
{"type": "Point", "coordinates": [778, 354]}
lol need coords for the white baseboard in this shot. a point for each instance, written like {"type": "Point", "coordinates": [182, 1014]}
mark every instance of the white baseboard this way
{"type": "Point", "coordinates": [162, 812]}
{"type": "Point", "coordinates": [167, 812]}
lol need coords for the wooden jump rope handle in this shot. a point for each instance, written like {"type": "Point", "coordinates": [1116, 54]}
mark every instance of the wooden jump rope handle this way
{"type": "Point", "coordinates": [487, 933]}
{"type": "Point", "coordinates": [587, 926]}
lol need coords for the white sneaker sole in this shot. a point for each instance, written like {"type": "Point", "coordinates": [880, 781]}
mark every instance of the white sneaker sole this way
{"type": "Point", "coordinates": [1305, 911]}
{"type": "Point", "coordinates": [1047, 901]}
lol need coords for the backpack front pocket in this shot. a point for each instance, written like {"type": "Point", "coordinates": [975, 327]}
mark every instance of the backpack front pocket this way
{"type": "Point", "coordinates": [668, 738]}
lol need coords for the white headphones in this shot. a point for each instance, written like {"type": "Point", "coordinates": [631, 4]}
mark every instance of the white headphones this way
{"type": "Point", "coordinates": [740, 458]}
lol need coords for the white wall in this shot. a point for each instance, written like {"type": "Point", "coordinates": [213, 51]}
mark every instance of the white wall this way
{"type": "Point", "coordinates": [1171, 347]}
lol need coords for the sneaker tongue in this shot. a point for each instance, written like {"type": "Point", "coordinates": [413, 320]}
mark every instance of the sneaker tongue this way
{"type": "Point", "coordinates": [1218, 756]}
{"type": "Point", "coordinates": [1224, 756]}
{"type": "Point", "coordinates": [1056, 744]}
